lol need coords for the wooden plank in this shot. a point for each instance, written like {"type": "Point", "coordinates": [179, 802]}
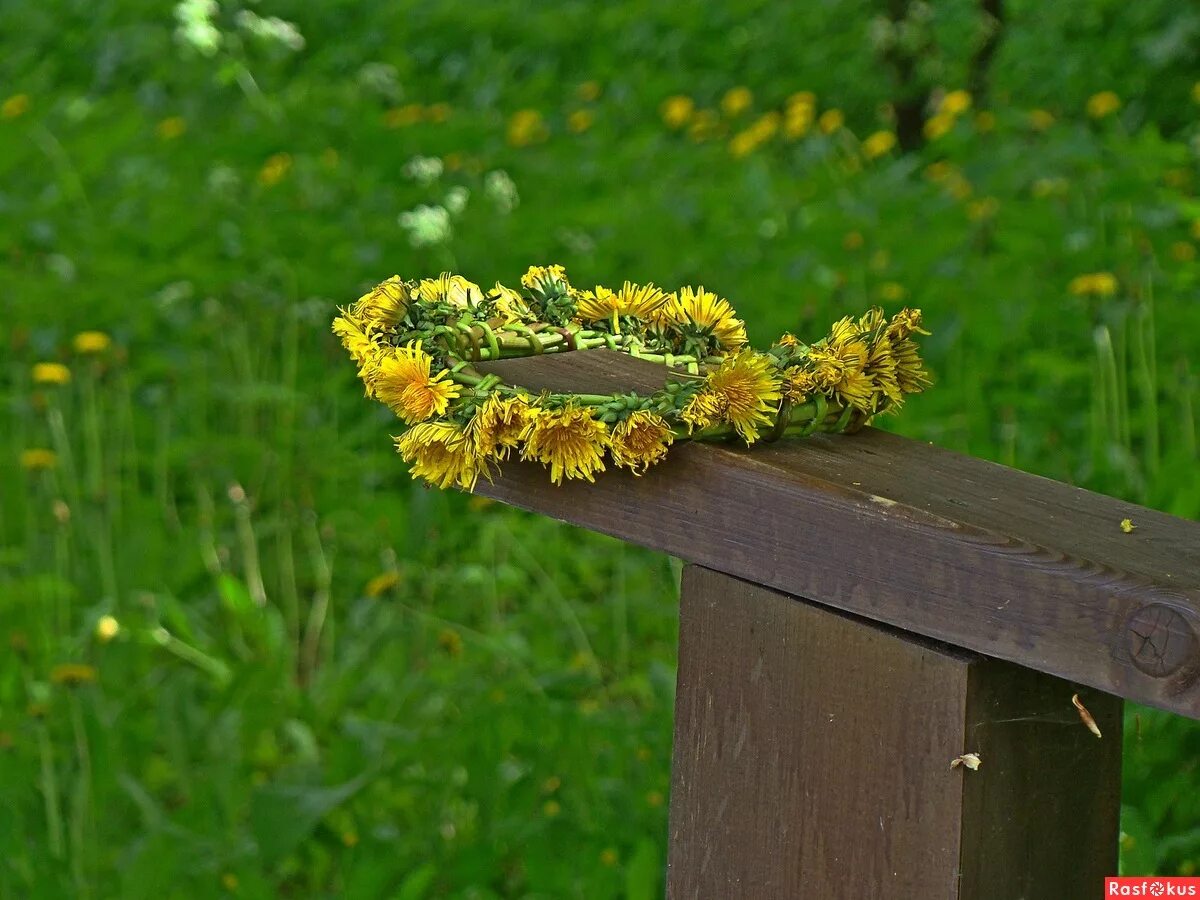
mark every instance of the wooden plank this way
{"type": "Point", "coordinates": [965, 551]}
{"type": "Point", "coordinates": [812, 760]}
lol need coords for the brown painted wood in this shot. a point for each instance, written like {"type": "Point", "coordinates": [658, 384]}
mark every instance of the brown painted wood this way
{"type": "Point", "coordinates": [812, 760]}
{"type": "Point", "coordinates": [943, 545]}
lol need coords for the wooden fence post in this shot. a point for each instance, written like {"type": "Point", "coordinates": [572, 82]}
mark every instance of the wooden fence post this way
{"type": "Point", "coordinates": [868, 609]}
{"type": "Point", "coordinates": [813, 759]}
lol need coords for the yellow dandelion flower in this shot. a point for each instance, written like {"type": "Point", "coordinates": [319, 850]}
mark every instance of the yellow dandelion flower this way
{"type": "Point", "coordinates": [787, 339]}
{"type": "Point", "coordinates": [712, 314]}
{"type": "Point", "coordinates": [91, 342]}
{"type": "Point", "coordinates": [831, 120]}
{"type": "Point", "coordinates": [905, 323]}
{"type": "Point", "coordinates": [736, 101]}
{"type": "Point", "coordinates": [955, 103]}
{"type": "Point", "coordinates": [676, 111]}
{"type": "Point", "coordinates": [384, 305]}
{"type": "Point", "coordinates": [1093, 284]}
{"type": "Point", "coordinates": [275, 169]}
{"type": "Point", "coordinates": [544, 278]}
{"type": "Point", "coordinates": [1040, 119]}
{"type": "Point", "coordinates": [230, 882]}
{"type": "Point", "coordinates": [170, 128]}
{"type": "Point", "coordinates": [744, 391]}
{"type": "Point", "coordinates": [526, 127]}
{"type": "Point", "coordinates": [404, 383]}
{"type": "Point", "coordinates": [441, 453]}
{"type": "Point", "coordinates": [382, 583]}
{"type": "Point", "coordinates": [743, 144]}
{"type": "Point", "coordinates": [588, 91]}
{"type": "Point", "coordinates": [510, 305]}
{"type": "Point", "coordinates": [881, 368]}
{"type": "Point", "coordinates": [14, 106]}
{"type": "Point", "coordinates": [498, 424]}
{"type": "Point", "coordinates": [580, 121]}
{"type": "Point", "coordinates": [107, 628]}
{"type": "Point", "coordinates": [642, 301]}
{"type": "Point", "coordinates": [38, 459]}
{"type": "Point", "coordinates": [1103, 104]}
{"type": "Point", "coordinates": [71, 674]}
{"type": "Point", "coordinates": [1127, 526]}
{"type": "Point", "coordinates": [551, 808]}
{"type": "Point", "coordinates": [938, 126]}
{"type": "Point", "coordinates": [705, 125]}
{"type": "Point", "coordinates": [840, 365]}
{"type": "Point", "coordinates": [798, 121]}
{"type": "Point", "coordinates": [879, 144]}
{"type": "Point", "coordinates": [640, 440]}
{"type": "Point", "coordinates": [802, 99]}
{"type": "Point", "coordinates": [909, 369]}
{"type": "Point", "coordinates": [355, 338]}
{"type": "Point", "coordinates": [799, 384]}
{"type": "Point", "coordinates": [51, 373]}
{"type": "Point", "coordinates": [571, 441]}
{"type": "Point", "coordinates": [452, 289]}
{"type": "Point", "coordinates": [609, 857]}
{"type": "Point", "coordinates": [892, 291]}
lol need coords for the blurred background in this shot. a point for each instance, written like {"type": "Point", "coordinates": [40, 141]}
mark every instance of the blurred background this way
{"type": "Point", "coordinates": [244, 655]}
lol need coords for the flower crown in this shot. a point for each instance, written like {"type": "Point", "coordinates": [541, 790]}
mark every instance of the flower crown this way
{"type": "Point", "coordinates": [416, 342]}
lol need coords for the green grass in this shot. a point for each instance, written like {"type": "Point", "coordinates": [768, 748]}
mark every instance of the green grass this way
{"type": "Point", "coordinates": [331, 682]}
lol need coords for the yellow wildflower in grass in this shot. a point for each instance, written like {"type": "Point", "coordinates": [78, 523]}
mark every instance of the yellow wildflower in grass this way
{"type": "Point", "coordinates": [640, 440]}
{"type": "Point", "coordinates": [713, 314]}
{"type": "Point", "coordinates": [985, 121]}
{"type": "Point", "coordinates": [497, 425]}
{"type": "Point", "coordinates": [588, 91]}
{"type": "Point", "coordinates": [51, 373]}
{"type": "Point", "coordinates": [879, 144]}
{"type": "Point", "coordinates": [744, 391]}
{"type": "Point", "coordinates": [275, 169]}
{"type": "Point", "coordinates": [736, 101]}
{"type": "Point", "coordinates": [797, 122]}
{"type": "Point", "coordinates": [609, 857]}
{"type": "Point", "coordinates": [355, 337]}
{"type": "Point", "coordinates": [853, 240]}
{"type": "Point", "coordinates": [526, 127]}
{"type": "Point", "coordinates": [1040, 119]}
{"type": "Point", "coordinates": [743, 144]}
{"type": "Point", "coordinates": [570, 440]}
{"type": "Point", "coordinates": [580, 121]}
{"type": "Point", "coordinates": [384, 305]}
{"type": "Point", "coordinates": [438, 112]}
{"type": "Point", "coordinates": [642, 301]}
{"type": "Point", "coordinates": [450, 641]}
{"type": "Point", "coordinates": [802, 99]}
{"type": "Point", "coordinates": [955, 103]}
{"type": "Point", "coordinates": [938, 126]}
{"type": "Point", "coordinates": [1093, 284]}
{"type": "Point", "coordinates": [983, 209]}
{"type": "Point", "coordinates": [452, 289]}
{"type": "Point", "coordinates": [705, 125]}
{"type": "Point", "coordinates": [441, 453]}
{"type": "Point", "coordinates": [38, 459]}
{"type": "Point", "coordinates": [404, 383]}
{"type": "Point", "coordinates": [71, 674]}
{"type": "Point", "coordinates": [382, 583]}
{"type": "Point", "coordinates": [91, 342]}
{"type": "Point", "coordinates": [766, 126]}
{"type": "Point", "coordinates": [1183, 251]}
{"type": "Point", "coordinates": [1103, 104]}
{"type": "Point", "coordinates": [551, 808]}
{"type": "Point", "coordinates": [676, 111]}
{"type": "Point", "coordinates": [840, 363]}
{"type": "Point", "coordinates": [107, 628]}
{"type": "Point", "coordinates": [230, 882]}
{"type": "Point", "coordinates": [403, 116]}
{"type": "Point", "coordinates": [170, 128]}
{"type": "Point", "coordinates": [892, 291]}
{"type": "Point", "coordinates": [831, 120]}
{"type": "Point", "coordinates": [14, 106]}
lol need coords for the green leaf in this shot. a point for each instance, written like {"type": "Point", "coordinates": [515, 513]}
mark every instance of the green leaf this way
{"type": "Point", "coordinates": [282, 816]}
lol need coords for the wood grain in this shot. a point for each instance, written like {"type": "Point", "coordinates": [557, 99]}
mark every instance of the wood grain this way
{"type": "Point", "coordinates": [944, 545]}
{"type": "Point", "coordinates": [812, 760]}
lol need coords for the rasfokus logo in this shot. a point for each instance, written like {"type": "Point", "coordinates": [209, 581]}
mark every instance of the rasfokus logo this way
{"type": "Point", "coordinates": [1150, 886]}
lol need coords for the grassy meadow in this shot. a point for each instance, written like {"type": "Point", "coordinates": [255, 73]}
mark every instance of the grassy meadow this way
{"type": "Point", "coordinates": [244, 655]}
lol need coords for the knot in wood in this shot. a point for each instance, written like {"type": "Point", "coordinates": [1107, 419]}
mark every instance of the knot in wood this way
{"type": "Point", "coordinates": [1160, 639]}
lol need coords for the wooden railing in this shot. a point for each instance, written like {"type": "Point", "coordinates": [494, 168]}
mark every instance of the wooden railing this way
{"type": "Point", "coordinates": [860, 612]}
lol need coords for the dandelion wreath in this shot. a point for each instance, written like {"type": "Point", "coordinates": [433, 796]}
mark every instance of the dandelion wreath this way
{"type": "Point", "coordinates": [416, 344]}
